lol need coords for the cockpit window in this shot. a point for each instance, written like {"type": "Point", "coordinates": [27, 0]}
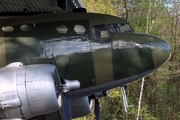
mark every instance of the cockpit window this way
{"type": "Point", "coordinates": [124, 27]}
{"type": "Point", "coordinates": [112, 27]}
{"type": "Point", "coordinates": [120, 27]}
{"type": "Point", "coordinates": [100, 31]}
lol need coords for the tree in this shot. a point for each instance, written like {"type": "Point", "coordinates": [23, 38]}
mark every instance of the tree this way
{"type": "Point", "coordinates": [102, 6]}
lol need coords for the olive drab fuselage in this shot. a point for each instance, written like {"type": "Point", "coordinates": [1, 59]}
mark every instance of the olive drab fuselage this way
{"type": "Point", "coordinates": [100, 51]}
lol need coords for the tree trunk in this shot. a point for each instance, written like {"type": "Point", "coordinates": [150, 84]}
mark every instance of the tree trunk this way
{"type": "Point", "coordinates": [140, 98]}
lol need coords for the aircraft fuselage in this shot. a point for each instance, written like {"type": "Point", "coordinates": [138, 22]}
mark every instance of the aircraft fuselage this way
{"type": "Point", "coordinates": [100, 51]}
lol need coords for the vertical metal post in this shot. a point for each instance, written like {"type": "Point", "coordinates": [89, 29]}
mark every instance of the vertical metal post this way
{"type": "Point", "coordinates": [125, 102]}
{"type": "Point", "coordinates": [63, 4]}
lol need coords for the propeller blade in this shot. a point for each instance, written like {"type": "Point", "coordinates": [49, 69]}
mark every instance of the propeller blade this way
{"type": "Point", "coordinates": [64, 94]}
{"type": "Point", "coordinates": [68, 68]}
{"type": "Point", "coordinates": [66, 106]}
{"type": "Point", "coordinates": [97, 109]}
{"type": "Point", "coordinates": [55, 63]}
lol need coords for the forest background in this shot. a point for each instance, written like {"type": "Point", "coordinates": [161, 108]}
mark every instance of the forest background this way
{"type": "Point", "coordinates": [161, 90]}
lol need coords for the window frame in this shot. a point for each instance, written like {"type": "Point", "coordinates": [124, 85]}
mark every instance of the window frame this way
{"type": "Point", "coordinates": [118, 30]}
{"type": "Point", "coordinates": [98, 36]}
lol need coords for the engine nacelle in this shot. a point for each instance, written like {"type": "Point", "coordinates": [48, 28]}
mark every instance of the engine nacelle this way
{"type": "Point", "coordinates": [27, 91]}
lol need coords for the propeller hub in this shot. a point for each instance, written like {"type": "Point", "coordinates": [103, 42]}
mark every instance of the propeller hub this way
{"type": "Point", "coordinates": [71, 85]}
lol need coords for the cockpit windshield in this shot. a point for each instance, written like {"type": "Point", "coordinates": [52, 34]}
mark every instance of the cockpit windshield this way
{"type": "Point", "coordinates": [120, 28]}
{"type": "Point", "coordinates": [100, 31]}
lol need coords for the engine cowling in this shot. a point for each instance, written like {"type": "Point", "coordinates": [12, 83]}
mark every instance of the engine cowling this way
{"type": "Point", "coordinates": [27, 91]}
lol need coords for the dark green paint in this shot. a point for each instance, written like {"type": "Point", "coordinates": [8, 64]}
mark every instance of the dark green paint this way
{"type": "Point", "coordinates": [131, 53]}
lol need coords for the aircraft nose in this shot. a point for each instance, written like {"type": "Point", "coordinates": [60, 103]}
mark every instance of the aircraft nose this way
{"type": "Point", "coordinates": [161, 51]}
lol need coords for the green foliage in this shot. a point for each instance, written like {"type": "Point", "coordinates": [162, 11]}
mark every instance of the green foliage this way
{"type": "Point", "coordinates": [101, 6]}
{"type": "Point", "coordinates": [111, 106]}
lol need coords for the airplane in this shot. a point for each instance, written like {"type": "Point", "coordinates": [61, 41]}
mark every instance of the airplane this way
{"type": "Point", "coordinates": [53, 64]}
